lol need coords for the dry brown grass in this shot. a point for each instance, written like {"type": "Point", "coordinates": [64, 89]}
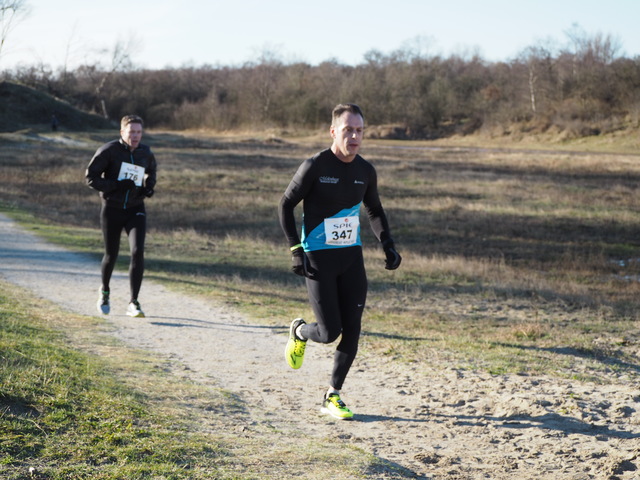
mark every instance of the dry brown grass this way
{"type": "Point", "coordinates": [511, 245]}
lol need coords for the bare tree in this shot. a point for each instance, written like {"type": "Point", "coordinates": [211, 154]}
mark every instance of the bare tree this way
{"type": "Point", "coordinates": [64, 71]}
{"type": "Point", "coordinates": [265, 77]}
{"type": "Point", "coordinates": [598, 48]}
{"type": "Point", "coordinates": [417, 48]}
{"type": "Point", "coordinates": [11, 12]}
{"type": "Point", "coordinates": [120, 61]}
{"type": "Point", "coordinates": [538, 60]}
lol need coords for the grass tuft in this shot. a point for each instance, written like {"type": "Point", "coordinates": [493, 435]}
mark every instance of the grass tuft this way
{"type": "Point", "coordinates": [110, 412]}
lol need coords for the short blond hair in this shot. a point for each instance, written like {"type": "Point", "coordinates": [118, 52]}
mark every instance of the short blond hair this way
{"type": "Point", "coordinates": [339, 109]}
{"type": "Point", "coordinates": [129, 119]}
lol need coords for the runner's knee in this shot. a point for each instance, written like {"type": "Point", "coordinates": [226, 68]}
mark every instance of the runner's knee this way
{"type": "Point", "coordinates": [328, 335]}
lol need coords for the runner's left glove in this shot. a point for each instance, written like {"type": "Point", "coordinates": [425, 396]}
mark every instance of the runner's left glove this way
{"type": "Point", "coordinates": [393, 258]}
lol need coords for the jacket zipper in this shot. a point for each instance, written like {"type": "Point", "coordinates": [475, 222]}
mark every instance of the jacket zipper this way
{"type": "Point", "coordinates": [126, 195]}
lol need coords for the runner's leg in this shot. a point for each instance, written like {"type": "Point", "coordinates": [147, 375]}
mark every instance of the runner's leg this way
{"type": "Point", "coordinates": [323, 298]}
{"type": "Point", "coordinates": [111, 224]}
{"type": "Point", "coordinates": [352, 295]}
{"type": "Point", "coordinates": [337, 296]}
{"type": "Point", "coordinates": [136, 230]}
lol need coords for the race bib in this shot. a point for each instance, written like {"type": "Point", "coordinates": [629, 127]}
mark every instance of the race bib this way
{"type": "Point", "coordinates": [131, 172]}
{"type": "Point", "coordinates": [341, 231]}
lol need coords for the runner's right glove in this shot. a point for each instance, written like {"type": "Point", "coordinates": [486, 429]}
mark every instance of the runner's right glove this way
{"type": "Point", "coordinates": [126, 185]}
{"type": "Point", "coordinates": [300, 264]}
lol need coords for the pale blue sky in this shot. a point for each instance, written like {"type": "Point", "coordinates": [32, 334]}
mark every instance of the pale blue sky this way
{"type": "Point", "coordinates": [233, 32]}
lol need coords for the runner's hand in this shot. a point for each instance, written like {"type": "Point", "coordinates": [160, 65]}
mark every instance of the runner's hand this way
{"type": "Point", "coordinates": [300, 264]}
{"type": "Point", "coordinates": [393, 258]}
{"type": "Point", "coordinates": [148, 192]}
{"type": "Point", "coordinates": [126, 185]}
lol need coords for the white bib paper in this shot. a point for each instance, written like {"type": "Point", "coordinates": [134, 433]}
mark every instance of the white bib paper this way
{"type": "Point", "coordinates": [131, 172]}
{"type": "Point", "coordinates": [341, 231]}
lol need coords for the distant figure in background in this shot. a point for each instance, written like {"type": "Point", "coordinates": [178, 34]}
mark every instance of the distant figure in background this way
{"type": "Point", "coordinates": [54, 123]}
{"type": "Point", "coordinates": [332, 185]}
{"type": "Point", "coordinates": [124, 172]}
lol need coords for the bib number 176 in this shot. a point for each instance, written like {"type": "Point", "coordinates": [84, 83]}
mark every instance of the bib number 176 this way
{"type": "Point", "coordinates": [132, 172]}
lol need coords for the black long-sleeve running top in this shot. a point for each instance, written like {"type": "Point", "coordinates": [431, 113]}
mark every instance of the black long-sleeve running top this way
{"type": "Point", "coordinates": [114, 161]}
{"type": "Point", "coordinates": [332, 192]}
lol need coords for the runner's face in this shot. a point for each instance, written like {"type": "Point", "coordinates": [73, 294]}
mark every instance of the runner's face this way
{"type": "Point", "coordinates": [132, 134]}
{"type": "Point", "coordinates": [347, 136]}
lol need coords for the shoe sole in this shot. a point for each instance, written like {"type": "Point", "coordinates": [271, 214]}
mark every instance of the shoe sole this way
{"type": "Point", "coordinates": [103, 309]}
{"type": "Point", "coordinates": [289, 358]}
{"type": "Point", "coordinates": [137, 315]}
{"type": "Point", "coordinates": [292, 338]}
{"type": "Point", "coordinates": [331, 414]}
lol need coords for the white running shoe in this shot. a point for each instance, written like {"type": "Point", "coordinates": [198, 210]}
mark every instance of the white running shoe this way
{"type": "Point", "coordinates": [135, 310]}
{"type": "Point", "coordinates": [103, 303]}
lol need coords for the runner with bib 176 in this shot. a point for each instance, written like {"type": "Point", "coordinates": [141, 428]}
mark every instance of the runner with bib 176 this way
{"type": "Point", "coordinates": [124, 172]}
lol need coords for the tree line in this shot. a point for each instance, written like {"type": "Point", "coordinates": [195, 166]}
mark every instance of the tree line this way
{"type": "Point", "coordinates": [583, 89]}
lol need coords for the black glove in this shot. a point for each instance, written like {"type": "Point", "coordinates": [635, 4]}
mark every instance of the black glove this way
{"type": "Point", "coordinates": [393, 258]}
{"type": "Point", "coordinates": [300, 264]}
{"type": "Point", "coordinates": [126, 185]}
{"type": "Point", "coordinates": [148, 192]}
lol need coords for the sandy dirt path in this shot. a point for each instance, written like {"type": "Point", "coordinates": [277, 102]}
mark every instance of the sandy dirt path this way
{"type": "Point", "coordinates": [434, 422]}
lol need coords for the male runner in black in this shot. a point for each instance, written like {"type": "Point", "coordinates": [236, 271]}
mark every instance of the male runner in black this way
{"type": "Point", "coordinates": [332, 185]}
{"type": "Point", "coordinates": [124, 172]}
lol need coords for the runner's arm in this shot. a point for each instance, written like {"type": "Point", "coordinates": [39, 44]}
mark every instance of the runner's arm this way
{"type": "Point", "coordinates": [375, 212]}
{"type": "Point", "coordinates": [293, 195]}
{"type": "Point", "coordinates": [150, 179]}
{"type": "Point", "coordinates": [94, 173]}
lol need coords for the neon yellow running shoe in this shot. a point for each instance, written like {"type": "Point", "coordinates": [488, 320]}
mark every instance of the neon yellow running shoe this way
{"type": "Point", "coordinates": [294, 351]}
{"type": "Point", "coordinates": [335, 407]}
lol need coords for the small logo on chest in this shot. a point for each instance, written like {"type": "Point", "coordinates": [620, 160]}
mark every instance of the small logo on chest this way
{"type": "Point", "coordinates": [333, 180]}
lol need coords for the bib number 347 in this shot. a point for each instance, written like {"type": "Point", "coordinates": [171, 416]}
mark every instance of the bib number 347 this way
{"type": "Point", "coordinates": [341, 231]}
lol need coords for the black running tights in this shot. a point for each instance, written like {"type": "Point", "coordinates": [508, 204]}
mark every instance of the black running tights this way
{"type": "Point", "coordinates": [337, 296]}
{"type": "Point", "coordinates": [113, 221]}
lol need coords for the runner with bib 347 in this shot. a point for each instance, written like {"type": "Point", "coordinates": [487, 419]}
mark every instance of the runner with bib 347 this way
{"type": "Point", "coordinates": [333, 185]}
